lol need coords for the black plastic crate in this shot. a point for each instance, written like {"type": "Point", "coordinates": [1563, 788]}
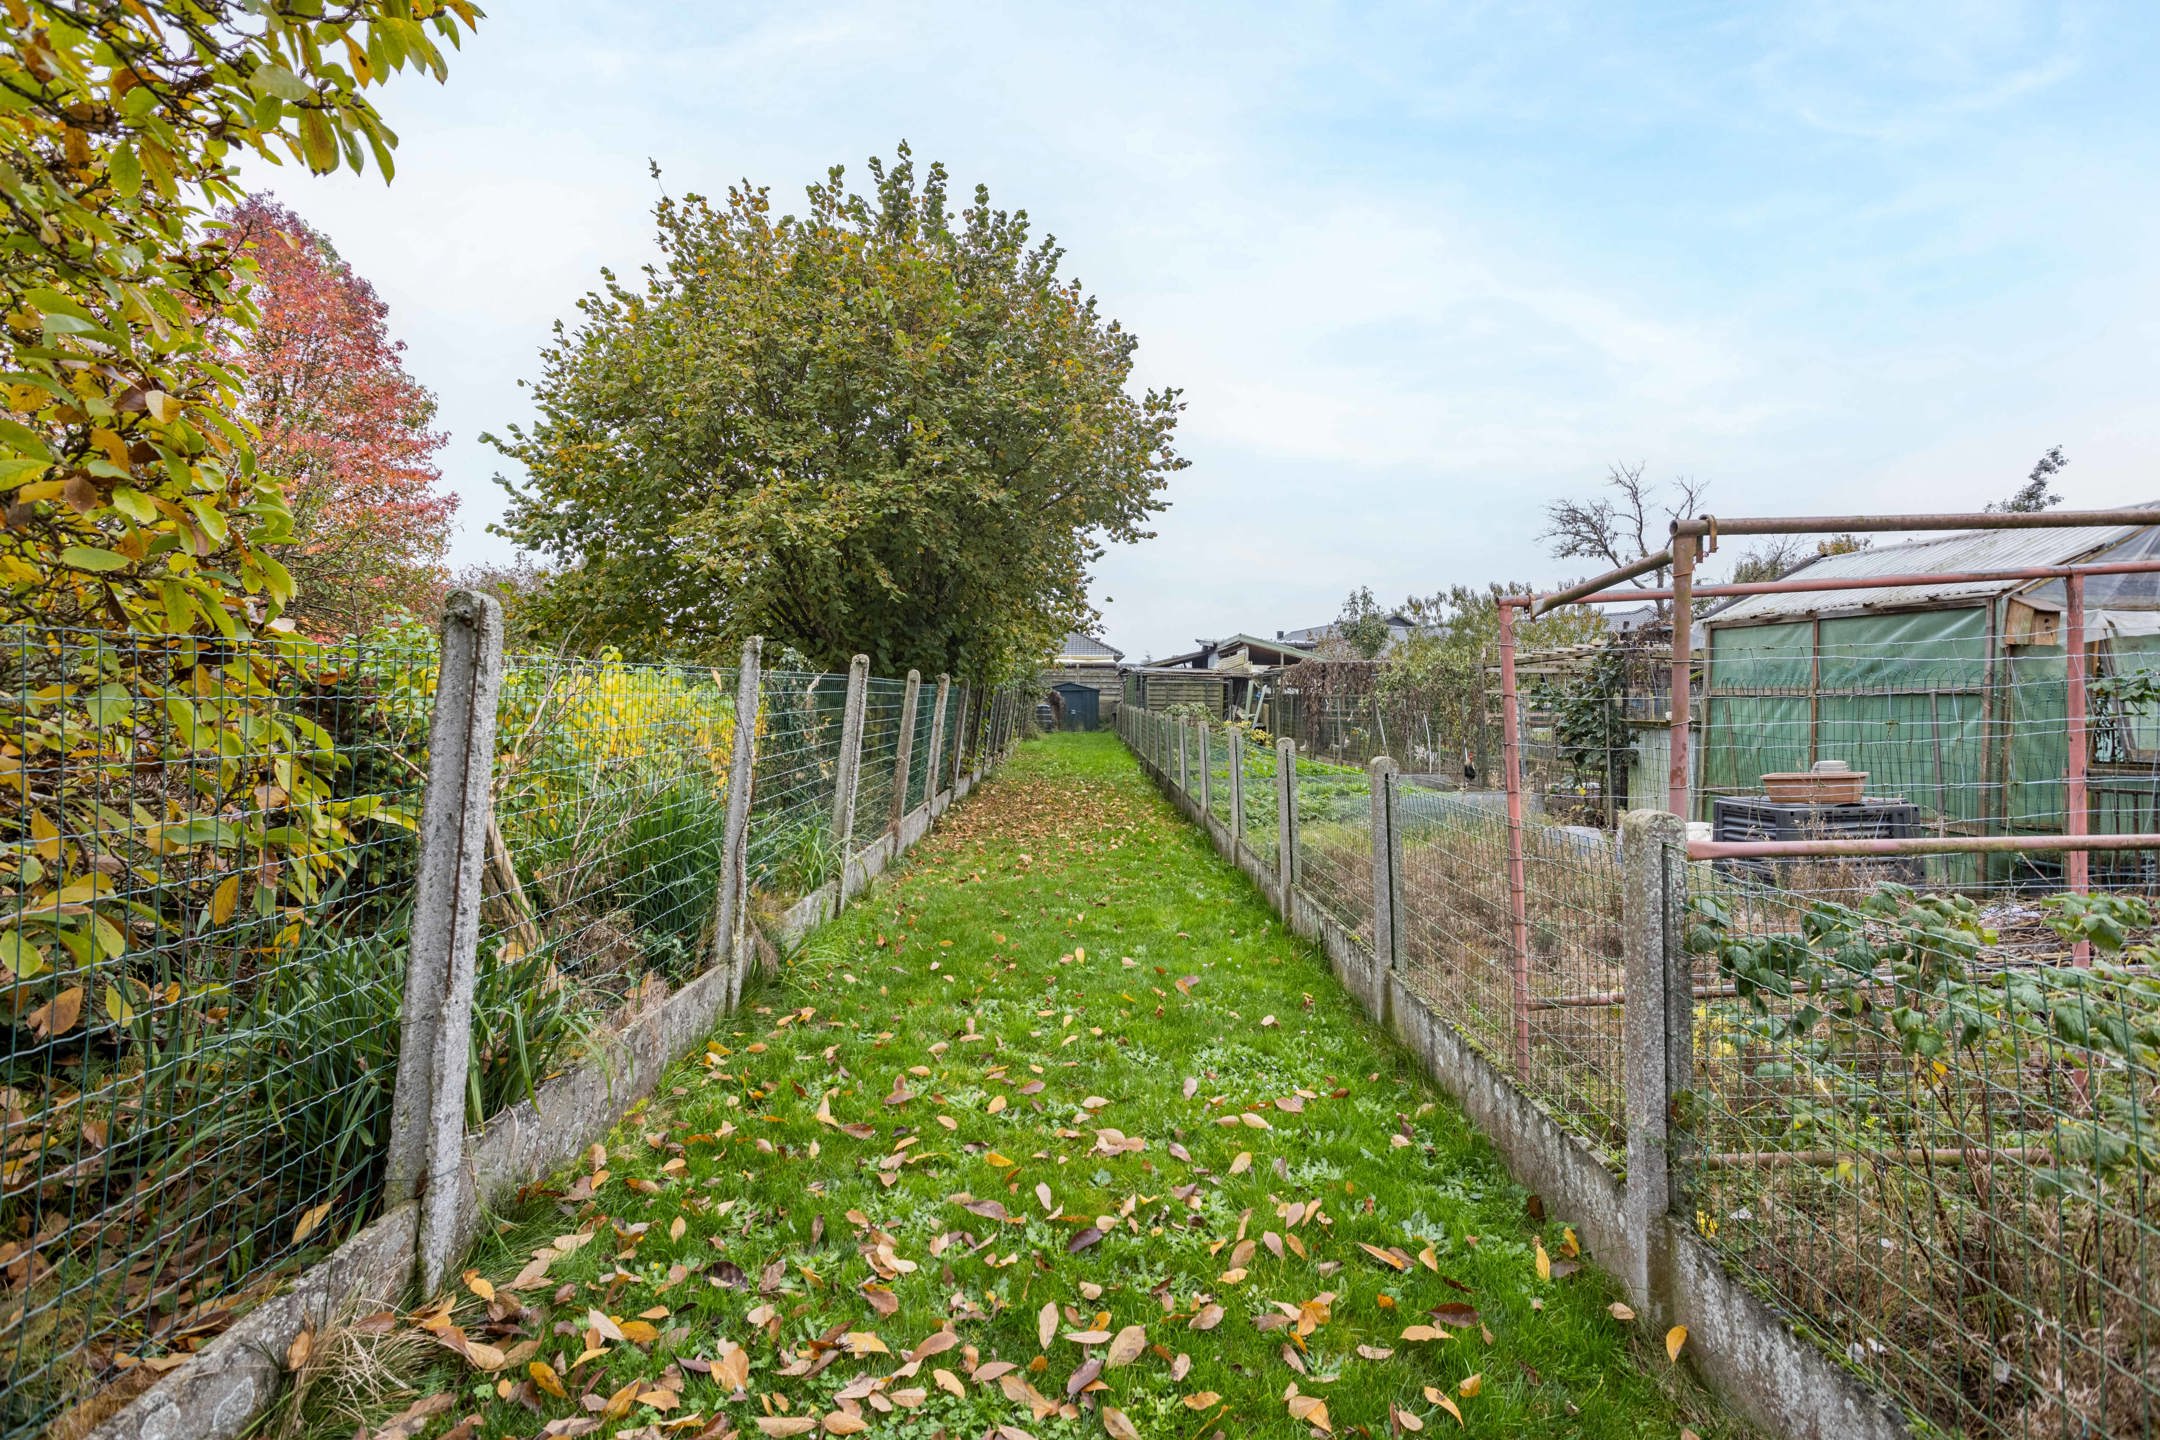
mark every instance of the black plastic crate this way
{"type": "Point", "coordinates": [1756, 817]}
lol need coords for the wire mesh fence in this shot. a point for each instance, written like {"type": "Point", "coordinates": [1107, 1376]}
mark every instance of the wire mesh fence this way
{"type": "Point", "coordinates": [1217, 742]}
{"type": "Point", "coordinates": [1262, 829]}
{"type": "Point", "coordinates": [608, 844]}
{"type": "Point", "coordinates": [794, 846]}
{"type": "Point", "coordinates": [1928, 1132]}
{"type": "Point", "coordinates": [1334, 841]}
{"type": "Point", "coordinates": [210, 849]}
{"type": "Point", "coordinates": [883, 701]}
{"type": "Point", "coordinates": [1917, 1116]}
{"type": "Point", "coordinates": [919, 753]}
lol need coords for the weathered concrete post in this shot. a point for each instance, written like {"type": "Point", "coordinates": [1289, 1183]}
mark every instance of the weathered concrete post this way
{"type": "Point", "coordinates": [1658, 1029]}
{"type": "Point", "coordinates": [849, 773]}
{"type": "Point", "coordinates": [936, 753]}
{"type": "Point", "coordinates": [1237, 790]}
{"type": "Point", "coordinates": [426, 1155]}
{"type": "Point", "coordinates": [1203, 793]}
{"type": "Point", "coordinates": [851, 736]}
{"type": "Point", "coordinates": [1184, 781]}
{"type": "Point", "coordinates": [735, 848]}
{"type": "Point", "coordinates": [1286, 819]}
{"type": "Point", "coordinates": [904, 761]}
{"type": "Point", "coordinates": [1386, 865]}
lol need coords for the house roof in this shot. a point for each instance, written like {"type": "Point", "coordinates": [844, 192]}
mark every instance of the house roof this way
{"type": "Point", "coordinates": [1086, 649]}
{"type": "Point", "coordinates": [1312, 634]}
{"type": "Point", "coordinates": [1967, 550]}
{"type": "Point", "coordinates": [1254, 642]}
{"type": "Point", "coordinates": [1204, 657]}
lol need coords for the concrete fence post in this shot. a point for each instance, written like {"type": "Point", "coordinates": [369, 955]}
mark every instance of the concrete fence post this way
{"type": "Point", "coordinates": [425, 1159]}
{"type": "Point", "coordinates": [1658, 1027]}
{"type": "Point", "coordinates": [1237, 790]}
{"type": "Point", "coordinates": [849, 772]}
{"type": "Point", "coordinates": [735, 848]}
{"type": "Point", "coordinates": [904, 759]}
{"type": "Point", "coordinates": [1204, 740]}
{"type": "Point", "coordinates": [1286, 826]}
{"type": "Point", "coordinates": [1184, 779]}
{"type": "Point", "coordinates": [936, 753]}
{"type": "Point", "coordinates": [1386, 866]}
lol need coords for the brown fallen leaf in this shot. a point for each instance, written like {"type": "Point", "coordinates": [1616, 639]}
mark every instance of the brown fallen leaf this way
{"type": "Point", "coordinates": [786, 1424]}
{"type": "Point", "coordinates": [1207, 1319]}
{"type": "Point", "coordinates": [1201, 1400]}
{"type": "Point", "coordinates": [1127, 1346]}
{"type": "Point", "coordinates": [1470, 1386]}
{"type": "Point", "coordinates": [1116, 1425]}
{"type": "Point", "coordinates": [1311, 1409]}
{"type": "Point", "coordinates": [1046, 1323]}
{"type": "Point", "coordinates": [414, 1418]}
{"type": "Point", "coordinates": [1440, 1399]}
{"type": "Point", "coordinates": [1082, 1240]}
{"type": "Point", "coordinates": [1620, 1311]}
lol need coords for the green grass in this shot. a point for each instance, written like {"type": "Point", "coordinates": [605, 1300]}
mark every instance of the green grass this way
{"type": "Point", "coordinates": [1066, 945]}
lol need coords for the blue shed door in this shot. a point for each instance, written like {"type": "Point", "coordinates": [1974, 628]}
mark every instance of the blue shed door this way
{"type": "Point", "coordinates": [1082, 705]}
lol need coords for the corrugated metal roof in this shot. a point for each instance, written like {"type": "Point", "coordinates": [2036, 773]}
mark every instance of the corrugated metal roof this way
{"type": "Point", "coordinates": [1967, 550]}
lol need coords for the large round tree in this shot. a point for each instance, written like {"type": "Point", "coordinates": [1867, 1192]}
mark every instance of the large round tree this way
{"type": "Point", "coordinates": [882, 427]}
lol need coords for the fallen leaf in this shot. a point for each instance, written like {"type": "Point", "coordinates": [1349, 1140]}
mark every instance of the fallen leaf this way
{"type": "Point", "coordinates": [1046, 1322]}
{"type": "Point", "coordinates": [1470, 1386]}
{"type": "Point", "coordinates": [1127, 1346]}
{"type": "Point", "coordinates": [1441, 1400]}
{"type": "Point", "coordinates": [1311, 1409]}
{"type": "Point", "coordinates": [1209, 1317]}
{"type": "Point", "coordinates": [1674, 1339]}
{"type": "Point", "coordinates": [1116, 1425]}
{"type": "Point", "coordinates": [414, 1418]}
{"type": "Point", "coordinates": [1205, 1399]}
{"type": "Point", "coordinates": [786, 1424]}
{"type": "Point", "coordinates": [544, 1377]}
{"type": "Point", "coordinates": [309, 1220]}
{"type": "Point", "coordinates": [1620, 1311]}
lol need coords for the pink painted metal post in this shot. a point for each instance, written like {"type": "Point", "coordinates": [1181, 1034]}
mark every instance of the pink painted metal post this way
{"type": "Point", "coordinates": [1511, 769]}
{"type": "Point", "coordinates": [2077, 864]}
{"type": "Point", "coordinates": [1677, 798]}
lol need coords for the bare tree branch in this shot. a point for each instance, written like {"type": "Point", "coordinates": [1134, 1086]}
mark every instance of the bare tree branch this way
{"type": "Point", "coordinates": [1622, 530]}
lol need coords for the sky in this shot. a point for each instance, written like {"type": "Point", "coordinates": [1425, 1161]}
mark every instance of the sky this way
{"type": "Point", "coordinates": [1419, 269]}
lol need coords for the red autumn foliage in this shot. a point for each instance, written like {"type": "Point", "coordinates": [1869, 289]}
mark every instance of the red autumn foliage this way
{"type": "Point", "coordinates": [344, 427]}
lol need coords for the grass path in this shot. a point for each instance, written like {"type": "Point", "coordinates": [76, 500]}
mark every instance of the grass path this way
{"type": "Point", "coordinates": [1057, 1133]}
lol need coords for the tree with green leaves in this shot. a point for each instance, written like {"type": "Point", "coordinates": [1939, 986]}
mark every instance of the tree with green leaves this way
{"type": "Point", "coordinates": [132, 492]}
{"type": "Point", "coordinates": [886, 426]}
{"type": "Point", "coordinates": [1363, 625]}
